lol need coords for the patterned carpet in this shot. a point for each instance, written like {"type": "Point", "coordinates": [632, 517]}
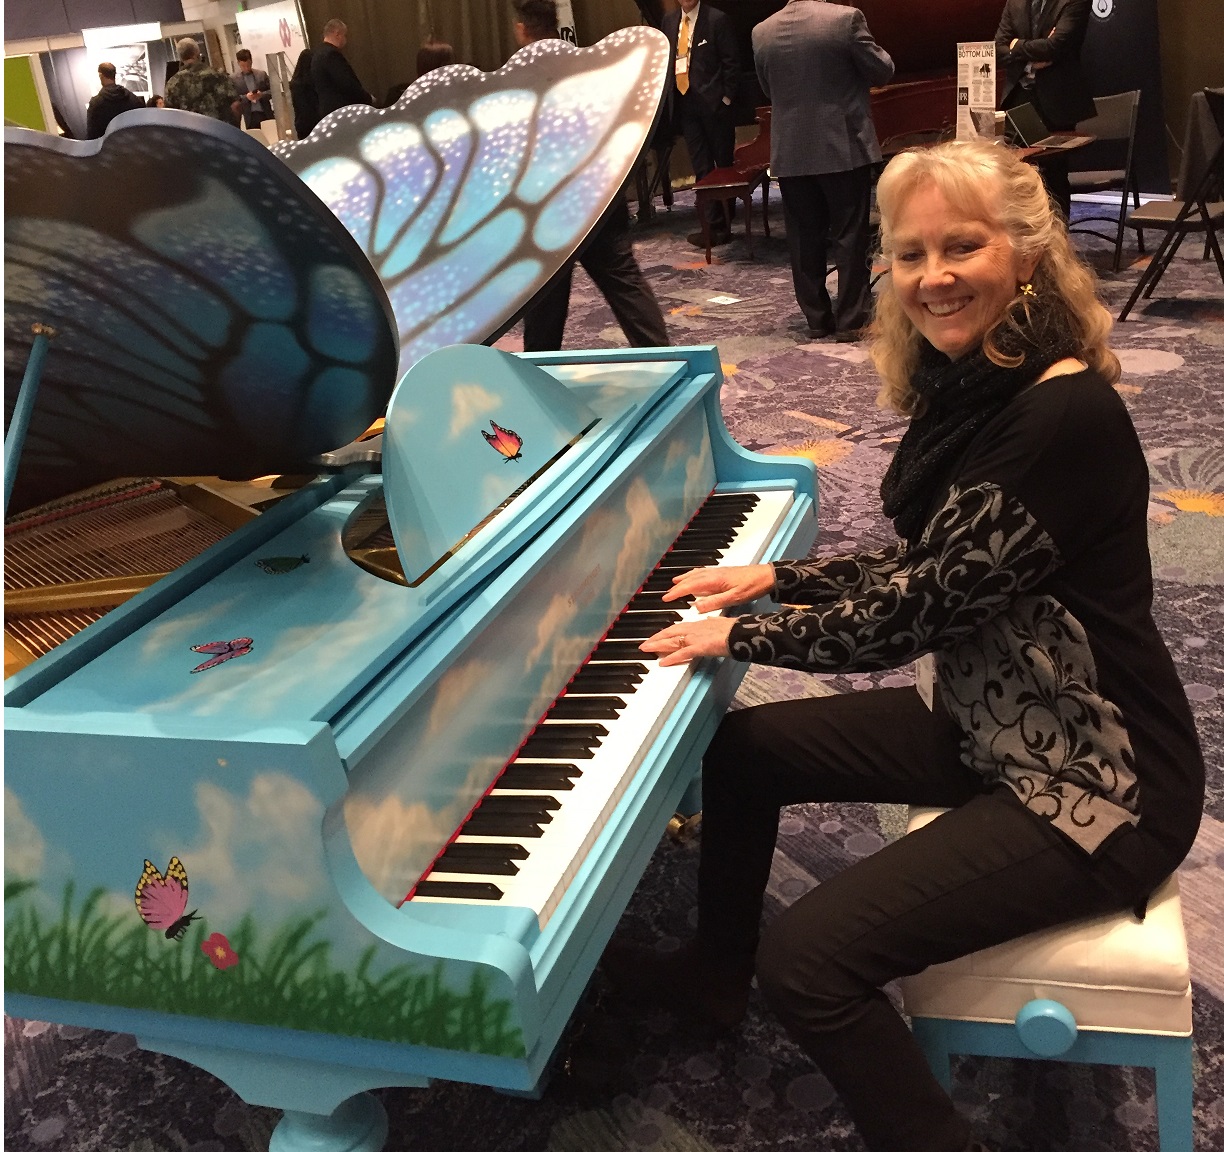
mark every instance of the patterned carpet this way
{"type": "Point", "coordinates": [638, 1082]}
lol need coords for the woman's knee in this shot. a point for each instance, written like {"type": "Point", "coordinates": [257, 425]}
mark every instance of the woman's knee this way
{"type": "Point", "coordinates": [726, 768]}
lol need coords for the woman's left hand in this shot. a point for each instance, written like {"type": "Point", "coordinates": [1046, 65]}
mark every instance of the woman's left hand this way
{"type": "Point", "coordinates": [690, 640]}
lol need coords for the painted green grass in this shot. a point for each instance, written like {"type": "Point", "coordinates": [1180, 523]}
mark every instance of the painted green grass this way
{"type": "Point", "coordinates": [286, 980]}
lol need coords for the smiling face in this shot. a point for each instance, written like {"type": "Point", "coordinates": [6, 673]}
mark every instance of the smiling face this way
{"type": "Point", "coordinates": [954, 272]}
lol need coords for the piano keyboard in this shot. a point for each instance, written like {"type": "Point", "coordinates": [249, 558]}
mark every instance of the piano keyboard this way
{"type": "Point", "coordinates": [525, 841]}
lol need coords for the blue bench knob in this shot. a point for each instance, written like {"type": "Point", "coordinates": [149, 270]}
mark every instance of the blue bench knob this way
{"type": "Point", "coordinates": [1046, 1027]}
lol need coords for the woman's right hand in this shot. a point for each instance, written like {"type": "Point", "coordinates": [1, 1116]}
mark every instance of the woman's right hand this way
{"type": "Point", "coordinates": [716, 588]}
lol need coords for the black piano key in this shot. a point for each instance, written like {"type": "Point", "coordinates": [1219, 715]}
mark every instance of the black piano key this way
{"type": "Point", "coordinates": [475, 852]}
{"type": "Point", "coordinates": [596, 670]}
{"type": "Point", "coordinates": [537, 803]}
{"type": "Point", "coordinates": [499, 865]}
{"type": "Point", "coordinates": [693, 558]}
{"type": "Point", "coordinates": [655, 599]}
{"type": "Point", "coordinates": [730, 500]}
{"type": "Point", "coordinates": [459, 890]}
{"type": "Point", "coordinates": [538, 748]}
{"type": "Point", "coordinates": [576, 731]}
{"type": "Point", "coordinates": [532, 777]}
{"type": "Point", "coordinates": [512, 825]}
{"type": "Point", "coordinates": [629, 629]}
{"type": "Point", "coordinates": [620, 650]}
{"type": "Point", "coordinates": [586, 708]}
{"type": "Point", "coordinates": [604, 686]}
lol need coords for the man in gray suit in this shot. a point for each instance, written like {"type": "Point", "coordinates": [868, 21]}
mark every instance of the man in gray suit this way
{"type": "Point", "coordinates": [817, 62]}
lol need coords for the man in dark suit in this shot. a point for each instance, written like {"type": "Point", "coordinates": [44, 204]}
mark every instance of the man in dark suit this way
{"type": "Point", "coordinates": [254, 90]}
{"type": "Point", "coordinates": [335, 82]}
{"type": "Point", "coordinates": [1038, 44]}
{"type": "Point", "coordinates": [817, 62]}
{"type": "Point", "coordinates": [705, 66]}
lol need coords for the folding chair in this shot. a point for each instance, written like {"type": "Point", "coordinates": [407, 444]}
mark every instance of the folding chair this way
{"type": "Point", "coordinates": [1113, 124]}
{"type": "Point", "coordinates": [1178, 218]}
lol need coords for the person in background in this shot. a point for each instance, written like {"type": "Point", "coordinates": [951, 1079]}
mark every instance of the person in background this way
{"type": "Point", "coordinates": [156, 101]}
{"type": "Point", "coordinates": [111, 100]}
{"type": "Point", "coordinates": [302, 93]}
{"type": "Point", "coordinates": [254, 91]}
{"type": "Point", "coordinates": [705, 68]}
{"type": "Point", "coordinates": [433, 54]}
{"type": "Point", "coordinates": [1052, 726]}
{"type": "Point", "coordinates": [1038, 44]}
{"type": "Point", "coordinates": [335, 82]}
{"type": "Point", "coordinates": [197, 88]}
{"type": "Point", "coordinates": [607, 256]}
{"type": "Point", "coordinates": [817, 63]}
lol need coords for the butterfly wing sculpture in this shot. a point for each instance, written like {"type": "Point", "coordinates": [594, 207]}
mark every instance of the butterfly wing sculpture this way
{"type": "Point", "coordinates": [212, 316]}
{"type": "Point", "coordinates": [475, 188]}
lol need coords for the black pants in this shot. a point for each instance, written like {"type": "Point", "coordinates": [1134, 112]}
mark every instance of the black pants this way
{"type": "Point", "coordinates": [986, 872]}
{"type": "Point", "coordinates": [609, 261]}
{"type": "Point", "coordinates": [709, 136]}
{"type": "Point", "coordinates": [830, 210]}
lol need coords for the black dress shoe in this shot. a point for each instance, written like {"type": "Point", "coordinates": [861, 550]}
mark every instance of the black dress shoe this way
{"type": "Point", "coordinates": [850, 335]}
{"type": "Point", "coordinates": [703, 993]}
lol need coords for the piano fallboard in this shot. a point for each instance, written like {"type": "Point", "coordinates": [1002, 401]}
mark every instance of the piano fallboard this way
{"type": "Point", "coordinates": [295, 826]}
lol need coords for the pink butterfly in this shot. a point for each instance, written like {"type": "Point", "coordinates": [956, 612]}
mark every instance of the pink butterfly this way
{"type": "Point", "coordinates": [504, 441]}
{"type": "Point", "coordinates": [222, 650]}
{"type": "Point", "coordinates": [162, 900]}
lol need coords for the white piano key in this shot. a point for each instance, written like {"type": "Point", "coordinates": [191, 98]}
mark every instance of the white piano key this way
{"type": "Point", "coordinates": [556, 856]}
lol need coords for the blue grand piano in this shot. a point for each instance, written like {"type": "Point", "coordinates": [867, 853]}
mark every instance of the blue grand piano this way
{"type": "Point", "coordinates": [355, 796]}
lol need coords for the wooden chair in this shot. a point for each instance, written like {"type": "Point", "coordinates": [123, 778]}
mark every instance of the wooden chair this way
{"type": "Point", "coordinates": [1108, 990]}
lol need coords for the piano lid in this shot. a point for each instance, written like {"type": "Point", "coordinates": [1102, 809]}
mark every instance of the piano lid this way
{"type": "Point", "coordinates": [474, 189]}
{"type": "Point", "coordinates": [213, 316]}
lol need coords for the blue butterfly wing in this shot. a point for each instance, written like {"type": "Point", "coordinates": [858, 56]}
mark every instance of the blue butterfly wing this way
{"type": "Point", "coordinates": [474, 189]}
{"type": "Point", "coordinates": [212, 315]}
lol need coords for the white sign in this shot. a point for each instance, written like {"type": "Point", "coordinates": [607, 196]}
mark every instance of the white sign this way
{"type": "Point", "coordinates": [270, 29]}
{"type": "Point", "coordinates": [975, 90]}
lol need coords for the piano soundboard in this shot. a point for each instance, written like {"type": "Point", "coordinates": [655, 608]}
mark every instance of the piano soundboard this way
{"type": "Point", "coordinates": [320, 821]}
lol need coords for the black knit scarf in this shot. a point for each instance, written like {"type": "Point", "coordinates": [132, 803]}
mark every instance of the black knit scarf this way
{"type": "Point", "coordinates": [957, 398]}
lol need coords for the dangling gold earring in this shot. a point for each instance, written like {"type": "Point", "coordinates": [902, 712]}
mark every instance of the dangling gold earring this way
{"type": "Point", "coordinates": [1026, 289]}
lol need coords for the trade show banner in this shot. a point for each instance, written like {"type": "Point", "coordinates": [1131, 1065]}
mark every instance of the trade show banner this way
{"type": "Point", "coordinates": [271, 29]}
{"type": "Point", "coordinates": [1121, 53]}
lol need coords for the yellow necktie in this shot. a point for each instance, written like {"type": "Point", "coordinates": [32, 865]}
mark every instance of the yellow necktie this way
{"type": "Point", "coordinates": [682, 49]}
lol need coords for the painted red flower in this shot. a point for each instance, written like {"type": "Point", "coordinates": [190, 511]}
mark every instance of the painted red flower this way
{"type": "Point", "coordinates": [220, 954]}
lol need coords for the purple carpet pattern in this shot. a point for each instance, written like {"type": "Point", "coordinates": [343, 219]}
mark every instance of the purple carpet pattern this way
{"type": "Point", "coordinates": [637, 1080]}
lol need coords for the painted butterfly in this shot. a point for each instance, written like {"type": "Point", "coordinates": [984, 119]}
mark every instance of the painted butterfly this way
{"type": "Point", "coordinates": [276, 565]}
{"type": "Point", "coordinates": [504, 441]}
{"type": "Point", "coordinates": [222, 650]}
{"type": "Point", "coordinates": [162, 900]}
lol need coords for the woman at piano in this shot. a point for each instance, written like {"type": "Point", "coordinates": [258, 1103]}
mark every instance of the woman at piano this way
{"type": "Point", "coordinates": [1047, 714]}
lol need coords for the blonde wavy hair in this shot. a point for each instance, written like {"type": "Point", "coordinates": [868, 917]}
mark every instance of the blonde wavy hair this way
{"type": "Point", "coordinates": [986, 182]}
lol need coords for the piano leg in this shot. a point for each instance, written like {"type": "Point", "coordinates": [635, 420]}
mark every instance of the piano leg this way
{"type": "Point", "coordinates": [357, 1125]}
{"type": "Point", "coordinates": [327, 1107]}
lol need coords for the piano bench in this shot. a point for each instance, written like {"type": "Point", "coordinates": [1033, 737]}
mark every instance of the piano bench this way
{"type": "Point", "coordinates": [1106, 990]}
{"type": "Point", "coordinates": [724, 185]}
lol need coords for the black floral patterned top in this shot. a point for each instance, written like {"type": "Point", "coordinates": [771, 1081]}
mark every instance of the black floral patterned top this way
{"type": "Point", "coordinates": [1032, 585]}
